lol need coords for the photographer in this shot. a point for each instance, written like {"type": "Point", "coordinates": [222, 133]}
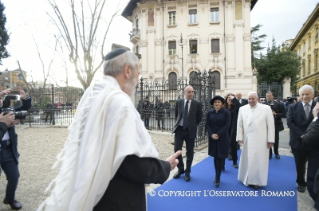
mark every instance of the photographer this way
{"type": "Point", "coordinates": [278, 111]}
{"type": "Point", "coordinates": [9, 162]}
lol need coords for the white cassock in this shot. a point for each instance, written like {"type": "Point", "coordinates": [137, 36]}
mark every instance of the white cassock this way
{"type": "Point", "coordinates": [255, 128]}
{"type": "Point", "coordinates": [105, 129]}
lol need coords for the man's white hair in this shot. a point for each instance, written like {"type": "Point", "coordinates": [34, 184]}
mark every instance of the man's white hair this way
{"type": "Point", "coordinates": [115, 66]}
{"type": "Point", "coordinates": [304, 87]}
{"type": "Point", "coordinates": [249, 93]}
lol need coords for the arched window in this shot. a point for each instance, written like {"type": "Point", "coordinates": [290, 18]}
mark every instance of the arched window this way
{"type": "Point", "coordinates": [172, 81]}
{"type": "Point", "coordinates": [216, 75]}
{"type": "Point", "coordinates": [192, 78]}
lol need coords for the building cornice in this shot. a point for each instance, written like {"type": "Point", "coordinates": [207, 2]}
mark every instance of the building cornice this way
{"type": "Point", "coordinates": [305, 28]}
{"type": "Point", "coordinates": [128, 10]}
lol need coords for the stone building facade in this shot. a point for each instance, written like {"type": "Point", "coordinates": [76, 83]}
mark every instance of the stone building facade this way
{"type": "Point", "coordinates": [174, 39]}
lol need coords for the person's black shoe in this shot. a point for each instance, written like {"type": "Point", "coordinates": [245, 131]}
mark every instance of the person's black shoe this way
{"type": "Point", "coordinates": [301, 189]}
{"type": "Point", "coordinates": [270, 156]}
{"type": "Point", "coordinates": [277, 156]}
{"type": "Point", "coordinates": [15, 205]}
{"type": "Point", "coordinates": [256, 187]}
{"type": "Point", "coordinates": [216, 183]}
{"type": "Point", "coordinates": [230, 157]}
{"type": "Point", "coordinates": [187, 177]}
{"type": "Point", "coordinates": [235, 166]}
{"type": "Point", "coordinates": [178, 174]}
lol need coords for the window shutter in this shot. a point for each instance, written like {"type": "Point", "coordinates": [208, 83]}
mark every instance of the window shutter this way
{"type": "Point", "coordinates": [215, 45]}
{"type": "Point", "coordinates": [192, 12]}
{"type": "Point", "coordinates": [193, 42]}
{"type": "Point", "coordinates": [172, 45]}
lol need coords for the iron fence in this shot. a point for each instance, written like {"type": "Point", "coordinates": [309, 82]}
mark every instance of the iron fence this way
{"type": "Point", "coordinates": [156, 102]}
{"type": "Point", "coordinates": [53, 105]}
{"type": "Point", "coordinates": [274, 87]}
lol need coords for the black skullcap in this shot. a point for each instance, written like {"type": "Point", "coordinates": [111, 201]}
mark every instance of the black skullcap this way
{"type": "Point", "coordinates": [114, 53]}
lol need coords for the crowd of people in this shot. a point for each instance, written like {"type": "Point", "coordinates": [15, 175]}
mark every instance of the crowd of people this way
{"type": "Point", "coordinates": [159, 110]}
{"type": "Point", "coordinates": [254, 125]}
{"type": "Point", "coordinates": [109, 155]}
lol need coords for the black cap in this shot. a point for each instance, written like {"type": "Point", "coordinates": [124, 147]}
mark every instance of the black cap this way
{"type": "Point", "coordinates": [217, 97]}
{"type": "Point", "coordinates": [114, 53]}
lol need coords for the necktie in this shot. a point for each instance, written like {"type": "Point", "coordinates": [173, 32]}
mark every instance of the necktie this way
{"type": "Point", "coordinates": [185, 118]}
{"type": "Point", "coordinates": [307, 110]}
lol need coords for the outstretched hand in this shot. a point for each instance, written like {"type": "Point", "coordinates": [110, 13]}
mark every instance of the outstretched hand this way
{"type": "Point", "coordinates": [23, 95]}
{"type": "Point", "coordinates": [173, 159]}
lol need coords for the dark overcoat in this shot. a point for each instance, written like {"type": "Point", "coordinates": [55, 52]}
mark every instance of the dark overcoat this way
{"type": "Point", "coordinates": [234, 116]}
{"type": "Point", "coordinates": [26, 105]}
{"type": "Point", "coordinates": [218, 123]}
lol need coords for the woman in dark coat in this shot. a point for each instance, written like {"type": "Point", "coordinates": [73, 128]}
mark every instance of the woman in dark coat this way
{"type": "Point", "coordinates": [217, 126]}
{"type": "Point", "coordinates": [233, 105]}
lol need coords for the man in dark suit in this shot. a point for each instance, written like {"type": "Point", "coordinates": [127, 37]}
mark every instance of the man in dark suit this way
{"type": "Point", "coordinates": [160, 114]}
{"type": "Point", "coordinates": [278, 111]}
{"type": "Point", "coordinates": [242, 101]}
{"type": "Point", "coordinates": [9, 152]}
{"type": "Point", "coordinates": [311, 143]}
{"type": "Point", "coordinates": [188, 114]}
{"type": "Point", "coordinates": [299, 117]}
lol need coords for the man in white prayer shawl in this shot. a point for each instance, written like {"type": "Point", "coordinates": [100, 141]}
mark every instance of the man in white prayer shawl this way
{"type": "Point", "coordinates": [109, 156]}
{"type": "Point", "coordinates": [256, 134]}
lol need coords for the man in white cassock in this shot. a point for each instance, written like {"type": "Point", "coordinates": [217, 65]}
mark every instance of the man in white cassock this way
{"type": "Point", "coordinates": [256, 134]}
{"type": "Point", "coordinates": [109, 155]}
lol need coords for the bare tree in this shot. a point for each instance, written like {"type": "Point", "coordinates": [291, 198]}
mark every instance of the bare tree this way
{"type": "Point", "coordinates": [84, 37]}
{"type": "Point", "coordinates": [32, 87]}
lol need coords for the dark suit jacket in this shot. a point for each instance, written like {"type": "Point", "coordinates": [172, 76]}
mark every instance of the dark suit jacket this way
{"type": "Point", "coordinates": [310, 142]}
{"type": "Point", "coordinates": [126, 191]}
{"type": "Point", "coordinates": [218, 123]}
{"type": "Point", "coordinates": [297, 123]}
{"type": "Point", "coordinates": [26, 105]}
{"type": "Point", "coordinates": [244, 102]}
{"type": "Point", "coordinates": [234, 117]}
{"type": "Point", "coordinates": [3, 129]}
{"type": "Point", "coordinates": [310, 139]}
{"type": "Point", "coordinates": [280, 113]}
{"type": "Point", "coordinates": [194, 116]}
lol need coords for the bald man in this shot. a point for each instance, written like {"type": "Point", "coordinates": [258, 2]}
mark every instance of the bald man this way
{"type": "Point", "coordinates": [188, 115]}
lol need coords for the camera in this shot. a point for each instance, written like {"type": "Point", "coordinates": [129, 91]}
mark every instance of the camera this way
{"type": "Point", "coordinates": [7, 109]}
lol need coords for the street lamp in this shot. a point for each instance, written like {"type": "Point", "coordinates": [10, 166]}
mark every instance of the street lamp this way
{"type": "Point", "coordinates": [181, 44]}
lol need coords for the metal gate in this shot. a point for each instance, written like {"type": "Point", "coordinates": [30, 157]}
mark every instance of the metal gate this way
{"type": "Point", "coordinates": [274, 87]}
{"type": "Point", "coordinates": [156, 101]}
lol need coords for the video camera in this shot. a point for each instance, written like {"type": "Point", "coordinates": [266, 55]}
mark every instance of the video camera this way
{"type": "Point", "coordinates": [15, 96]}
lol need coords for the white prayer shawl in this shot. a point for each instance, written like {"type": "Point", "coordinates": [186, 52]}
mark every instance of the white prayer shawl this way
{"type": "Point", "coordinates": [255, 129]}
{"type": "Point", "coordinates": [105, 129]}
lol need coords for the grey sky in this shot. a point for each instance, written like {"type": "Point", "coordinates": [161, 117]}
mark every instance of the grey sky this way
{"type": "Point", "coordinates": [281, 19]}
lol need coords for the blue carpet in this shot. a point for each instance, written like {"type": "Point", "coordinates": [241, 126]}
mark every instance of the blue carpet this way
{"type": "Point", "coordinates": [201, 194]}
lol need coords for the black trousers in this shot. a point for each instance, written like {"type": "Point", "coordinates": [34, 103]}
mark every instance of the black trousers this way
{"type": "Point", "coordinates": [10, 168]}
{"type": "Point", "coordinates": [47, 115]}
{"type": "Point", "coordinates": [301, 156]}
{"type": "Point", "coordinates": [233, 151]}
{"type": "Point", "coordinates": [181, 135]}
{"type": "Point", "coordinates": [276, 145]}
{"type": "Point", "coordinates": [313, 165]}
{"type": "Point", "coordinates": [218, 163]}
